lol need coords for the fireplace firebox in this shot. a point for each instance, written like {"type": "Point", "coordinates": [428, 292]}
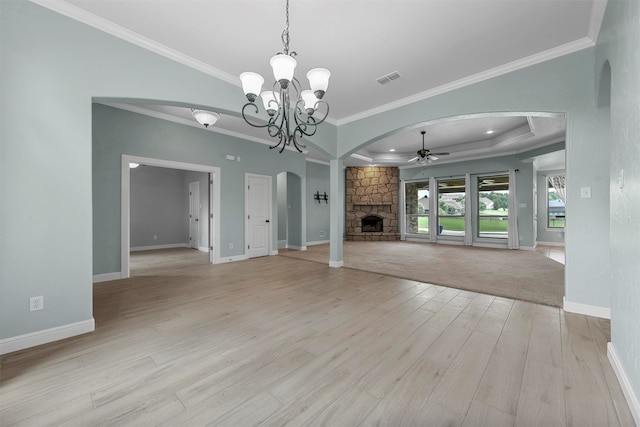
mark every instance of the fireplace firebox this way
{"type": "Point", "coordinates": [372, 224]}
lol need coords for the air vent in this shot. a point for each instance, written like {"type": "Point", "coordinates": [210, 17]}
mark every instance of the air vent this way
{"type": "Point", "coordinates": [388, 78]}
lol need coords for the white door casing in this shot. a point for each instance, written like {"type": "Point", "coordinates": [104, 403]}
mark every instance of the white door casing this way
{"type": "Point", "coordinates": [258, 215]}
{"type": "Point", "coordinates": [212, 254]}
{"type": "Point", "coordinates": [194, 214]}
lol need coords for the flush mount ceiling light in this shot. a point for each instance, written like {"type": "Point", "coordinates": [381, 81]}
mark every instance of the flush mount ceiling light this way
{"type": "Point", "coordinates": [425, 156]}
{"type": "Point", "coordinates": [205, 118]}
{"type": "Point", "coordinates": [290, 109]}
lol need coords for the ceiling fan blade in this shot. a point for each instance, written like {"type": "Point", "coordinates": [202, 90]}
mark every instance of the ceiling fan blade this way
{"type": "Point", "coordinates": [440, 154]}
{"type": "Point", "coordinates": [432, 157]}
{"type": "Point", "coordinates": [412, 160]}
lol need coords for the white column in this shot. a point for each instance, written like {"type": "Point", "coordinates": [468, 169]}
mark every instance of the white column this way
{"type": "Point", "coordinates": [336, 212]}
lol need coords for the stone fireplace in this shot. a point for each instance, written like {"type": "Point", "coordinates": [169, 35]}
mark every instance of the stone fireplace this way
{"type": "Point", "coordinates": [372, 203]}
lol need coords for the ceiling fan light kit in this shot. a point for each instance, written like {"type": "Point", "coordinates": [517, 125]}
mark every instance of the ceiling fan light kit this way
{"type": "Point", "coordinates": [290, 109]}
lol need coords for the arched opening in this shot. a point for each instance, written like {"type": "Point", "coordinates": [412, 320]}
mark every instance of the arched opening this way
{"type": "Point", "coordinates": [290, 215]}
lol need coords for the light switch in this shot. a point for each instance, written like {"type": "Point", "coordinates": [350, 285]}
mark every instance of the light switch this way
{"type": "Point", "coordinates": [231, 157]}
{"type": "Point", "coordinates": [585, 192]}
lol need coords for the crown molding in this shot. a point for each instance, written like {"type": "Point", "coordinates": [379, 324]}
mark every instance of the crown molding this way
{"type": "Point", "coordinates": [595, 22]}
{"type": "Point", "coordinates": [81, 15]}
{"type": "Point", "coordinates": [320, 162]}
{"type": "Point", "coordinates": [519, 64]}
{"type": "Point", "coordinates": [64, 8]}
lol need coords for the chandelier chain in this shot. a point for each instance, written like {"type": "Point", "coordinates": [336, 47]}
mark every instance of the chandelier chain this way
{"type": "Point", "coordinates": [285, 33]}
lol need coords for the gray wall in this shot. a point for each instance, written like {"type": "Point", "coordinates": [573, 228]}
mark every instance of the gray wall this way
{"type": "Point", "coordinates": [545, 235]}
{"type": "Point", "coordinates": [564, 85]}
{"type": "Point", "coordinates": [317, 213]}
{"type": "Point", "coordinates": [52, 67]}
{"type": "Point", "coordinates": [118, 132]}
{"type": "Point", "coordinates": [159, 211]}
{"type": "Point", "coordinates": [617, 85]}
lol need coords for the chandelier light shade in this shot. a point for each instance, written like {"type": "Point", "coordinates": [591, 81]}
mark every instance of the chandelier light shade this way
{"type": "Point", "coordinates": [319, 81]}
{"type": "Point", "coordinates": [271, 100]}
{"type": "Point", "coordinates": [251, 84]}
{"type": "Point", "coordinates": [205, 118]}
{"type": "Point", "coordinates": [290, 109]}
{"type": "Point", "coordinates": [283, 68]}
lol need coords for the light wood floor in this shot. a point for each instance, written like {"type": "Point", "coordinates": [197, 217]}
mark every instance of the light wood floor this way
{"type": "Point", "coordinates": [276, 341]}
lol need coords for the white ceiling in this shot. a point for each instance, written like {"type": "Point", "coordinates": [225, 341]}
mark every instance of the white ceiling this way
{"type": "Point", "coordinates": [435, 45]}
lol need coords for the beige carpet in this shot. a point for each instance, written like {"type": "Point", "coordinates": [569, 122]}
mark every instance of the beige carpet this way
{"type": "Point", "coordinates": [523, 275]}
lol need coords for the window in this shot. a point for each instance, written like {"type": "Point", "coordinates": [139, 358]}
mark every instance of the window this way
{"type": "Point", "coordinates": [451, 194]}
{"type": "Point", "coordinates": [416, 207]}
{"type": "Point", "coordinates": [556, 196]}
{"type": "Point", "coordinates": [493, 206]}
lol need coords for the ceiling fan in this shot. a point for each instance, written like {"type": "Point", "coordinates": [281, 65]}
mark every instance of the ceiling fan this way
{"type": "Point", "coordinates": [425, 156]}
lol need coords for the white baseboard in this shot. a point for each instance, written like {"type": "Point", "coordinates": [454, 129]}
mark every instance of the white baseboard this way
{"type": "Point", "coordinates": [274, 252]}
{"type": "Point", "coordinates": [317, 242]}
{"type": "Point", "coordinates": [203, 249]}
{"type": "Point", "coordinates": [587, 310]}
{"type": "Point", "coordinates": [336, 264]}
{"type": "Point", "coordinates": [107, 277]}
{"type": "Point", "coordinates": [282, 244]}
{"type": "Point", "coordinates": [559, 244]}
{"type": "Point", "coordinates": [297, 248]}
{"type": "Point", "coordinates": [625, 384]}
{"type": "Point", "coordinates": [234, 258]}
{"type": "Point", "coordinates": [155, 247]}
{"type": "Point", "coordinates": [33, 339]}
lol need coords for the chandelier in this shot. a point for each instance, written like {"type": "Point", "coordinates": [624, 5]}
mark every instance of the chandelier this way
{"type": "Point", "coordinates": [290, 109]}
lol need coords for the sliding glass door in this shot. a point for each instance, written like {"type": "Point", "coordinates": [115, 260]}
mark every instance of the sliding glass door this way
{"type": "Point", "coordinates": [451, 206]}
{"type": "Point", "coordinates": [493, 206]}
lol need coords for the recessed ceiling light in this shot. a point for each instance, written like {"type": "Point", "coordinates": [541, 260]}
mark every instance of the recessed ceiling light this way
{"type": "Point", "coordinates": [489, 132]}
{"type": "Point", "coordinates": [392, 149]}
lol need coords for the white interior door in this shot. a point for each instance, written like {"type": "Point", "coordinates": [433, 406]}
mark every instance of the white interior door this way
{"type": "Point", "coordinates": [194, 214]}
{"type": "Point", "coordinates": [258, 208]}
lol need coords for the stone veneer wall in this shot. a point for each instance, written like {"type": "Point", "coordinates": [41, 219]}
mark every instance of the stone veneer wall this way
{"type": "Point", "coordinates": [372, 190]}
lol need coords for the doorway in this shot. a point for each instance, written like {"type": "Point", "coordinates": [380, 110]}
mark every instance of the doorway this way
{"type": "Point", "coordinates": [290, 212]}
{"type": "Point", "coordinates": [213, 222]}
{"type": "Point", "coordinates": [194, 214]}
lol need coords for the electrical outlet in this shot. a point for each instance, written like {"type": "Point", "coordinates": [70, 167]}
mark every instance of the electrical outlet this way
{"type": "Point", "coordinates": [230, 245]}
{"type": "Point", "coordinates": [36, 303]}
